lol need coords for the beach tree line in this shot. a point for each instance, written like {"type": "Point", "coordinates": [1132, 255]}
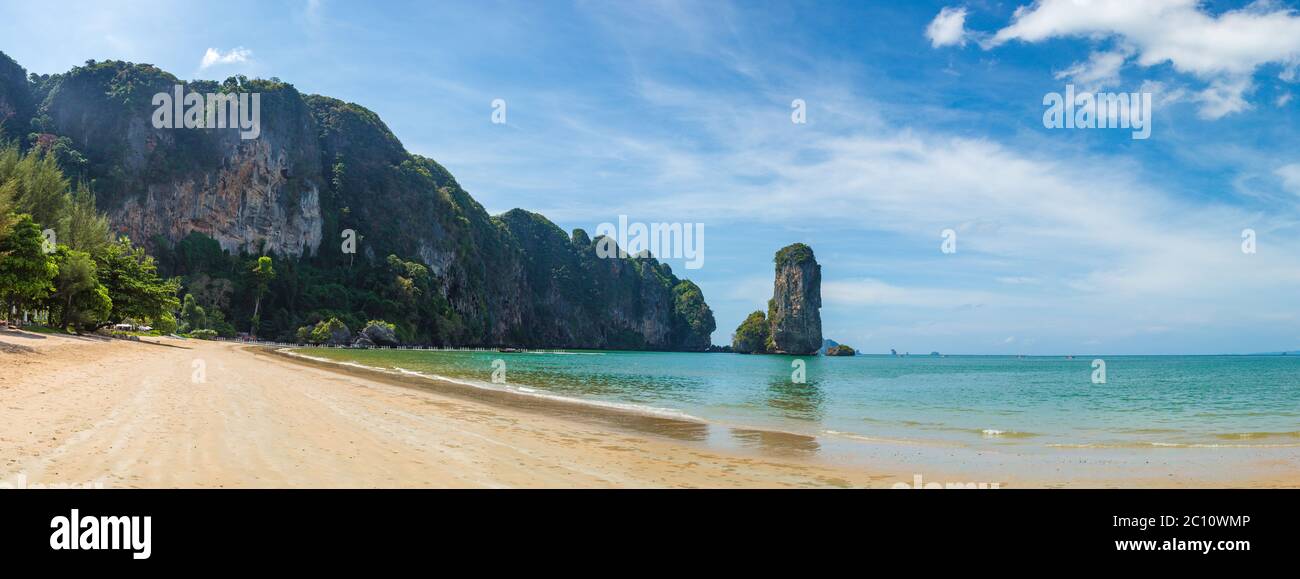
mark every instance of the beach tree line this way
{"type": "Point", "coordinates": [59, 257]}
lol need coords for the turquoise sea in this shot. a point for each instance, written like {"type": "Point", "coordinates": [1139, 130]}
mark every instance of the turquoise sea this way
{"type": "Point", "coordinates": [1147, 401]}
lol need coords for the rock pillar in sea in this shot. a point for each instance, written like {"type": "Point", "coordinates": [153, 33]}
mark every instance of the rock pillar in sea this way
{"type": "Point", "coordinates": [794, 314]}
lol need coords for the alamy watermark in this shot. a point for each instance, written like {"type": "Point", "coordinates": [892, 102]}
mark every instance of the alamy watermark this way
{"type": "Point", "coordinates": [193, 110]}
{"type": "Point", "coordinates": [1099, 111]}
{"type": "Point", "coordinates": [662, 240]}
{"type": "Point", "coordinates": [20, 481]}
{"type": "Point", "coordinates": [918, 483]}
{"type": "Point", "coordinates": [1098, 371]}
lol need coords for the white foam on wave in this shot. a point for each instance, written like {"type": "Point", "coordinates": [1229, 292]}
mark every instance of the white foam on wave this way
{"type": "Point", "coordinates": [1102, 445]}
{"type": "Point", "coordinates": [865, 438]}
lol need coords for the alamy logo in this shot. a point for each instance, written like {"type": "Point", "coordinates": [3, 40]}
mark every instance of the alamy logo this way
{"type": "Point", "coordinates": [1099, 111]}
{"type": "Point", "coordinates": [662, 240]}
{"type": "Point", "coordinates": [102, 533]}
{"type": "Point", "coordinates": [193, 110]}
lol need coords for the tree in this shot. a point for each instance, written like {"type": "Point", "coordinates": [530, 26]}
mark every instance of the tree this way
{"type": "Point", "coordinates": [36, 185]}
{"type": "Point", "coordinates": [262, 274]}
{"type": "Point", "coordinates": [78, 298]}
{"type": "Point", "coordinates": [26, 271]}
{"type": "Point", "coordinates": [84, 228]}
{"type": "Point", "coordinates": [133, 283]}
{"type": "Point", "coordinates": [192, 315]}
{"type": "Point", "coordinates": [8, 189]}
{"type": "Point", "coordinates": [165, 324]}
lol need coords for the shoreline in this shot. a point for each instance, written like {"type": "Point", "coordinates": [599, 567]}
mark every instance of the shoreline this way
{"type": "Point", "coordinates": [130, 414]}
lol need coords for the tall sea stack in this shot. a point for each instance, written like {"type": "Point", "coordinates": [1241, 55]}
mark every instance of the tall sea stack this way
{"type": "Point", "coordinates": [793, 324]}
{"type": "Point", "coordinates": [795, 310]}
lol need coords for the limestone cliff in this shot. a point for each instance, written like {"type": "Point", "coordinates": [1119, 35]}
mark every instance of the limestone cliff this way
{"type": "Point", "coordinates": [795, 313]}
{"type": "Point", "coordinates": [254, 196]}
{"type": "Point", "coordinates": [320, 168]}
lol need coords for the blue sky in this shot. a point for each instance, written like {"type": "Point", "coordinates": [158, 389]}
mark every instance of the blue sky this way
{"type": "Point", "coordinates": [922, 116]}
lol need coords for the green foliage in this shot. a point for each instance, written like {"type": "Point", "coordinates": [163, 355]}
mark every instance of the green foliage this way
{"type": "Point", "coordinates": [752, 336]}
{"type": "Point", "coordinates": [165, 324]}
{"type": "Point", "coordinates": [87, 281]}
{"type": "Point", "coordinates": [203, 334]}
{"type": "Point", "coordinates": [193, 317]}
{"type": "Point", "coordinates": [217, 323]}
{"type": "Point", "coordinates": [263, 273]}
{"type": "Point", "coordinates": [131, 277]}
{"type": "Point", "coordinates": [327, 331]}
{"type": "Point", "coordinates": [793, 254]}
{"type": "Point", "coordinates": [841, 350]}
{"type": "Point", "coordinates": [34, 185]}
{"type": "Point", "coordinates": [78, 299]}
{"type": "Point", "coordinates": [770, 343]}
{"type": "Point", "coordinates": [83, 228]}
{"type": "Point", "coordinates": [695, 318]}
{"type": "Point", "coordinates": [26, 271]}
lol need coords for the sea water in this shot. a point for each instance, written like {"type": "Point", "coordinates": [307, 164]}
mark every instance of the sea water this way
{"type": "Point", "coordinates": [1146, 401]}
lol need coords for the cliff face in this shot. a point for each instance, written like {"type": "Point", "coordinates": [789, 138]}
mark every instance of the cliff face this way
{"type": "Point", "coordinates": [259, 195]}
{"type": "Point", "coordinates": [795, 311]}
{"type": "Point", "coordinates": [321, 167]}
{"type": "Point", "coordinates": [582, 299]}
{"type": "Point", "coordinates": [15, 99]}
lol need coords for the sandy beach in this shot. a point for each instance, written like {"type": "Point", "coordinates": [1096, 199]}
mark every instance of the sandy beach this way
{"type": "Point", "coordinates": [80, 410]}
{"type": "Point", "coordinates": [187, 413]}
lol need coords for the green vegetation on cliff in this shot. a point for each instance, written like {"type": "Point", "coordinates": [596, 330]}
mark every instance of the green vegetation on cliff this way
{"type": "Point", "coordinates": [752, 335]}
{"type": "Point", "coordinates": [793, 254]}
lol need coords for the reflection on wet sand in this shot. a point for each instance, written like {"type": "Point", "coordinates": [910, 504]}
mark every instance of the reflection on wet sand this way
{"type": "Point", "coordinates": [778, 443]}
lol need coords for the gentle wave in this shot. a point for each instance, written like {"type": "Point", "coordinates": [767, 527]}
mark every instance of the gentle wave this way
{"type": "Point", "coordinates": [865, 438]}
{"type": "Point", "coordinates": [1168, 445]}
{"type": "Point", "coordinates": [994, 433]}
{"type": "Point", "coordinates": [1257, 435]}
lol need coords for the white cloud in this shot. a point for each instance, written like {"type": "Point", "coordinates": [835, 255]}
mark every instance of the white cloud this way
{"type": "Point", "coordinates": [1290, 176]}
{"type": "Point", "coordinates": [1224, 97]}
{"type": "Point", "coordinates": [214, 57]}
{"type": "Point", "coordinates": [1101, 70]}
{"type": "Point", "coordinates": [1283, 99]}
{"type": "Point", "coordinates": [874, 292]}
{"type": "Point", "coordinates": [1019, 280]}
{"type": "Point", "coordinates": [1223, 50]}
{"type": "Point", "coordinates": [1163, 94]}
{"type": "Point", "coordinates": [948, 28]}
